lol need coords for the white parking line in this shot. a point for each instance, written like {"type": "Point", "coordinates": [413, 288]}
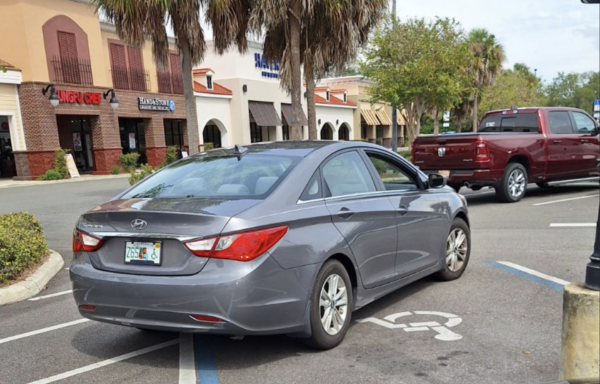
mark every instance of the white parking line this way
{"type": "Point", "coordinates": [564, 200]}
{"type": "Point", "coordinates": [104, 363]}
{"type": "Point", "coordinates": [187, 365]}
{"type": "Point", "coordinates": [51, 295]}
{"type": "Point", "coordinates": [43, 330]}
{"type": "Point", "coordinates": [535, 273]}
{"type": "Point", "coordinates": [572, 225]}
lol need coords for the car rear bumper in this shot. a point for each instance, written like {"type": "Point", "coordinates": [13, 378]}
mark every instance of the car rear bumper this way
{"type": "Point", "coordinates": [482, 177]}
{"type": "Point", "coordinates": [257, 297]}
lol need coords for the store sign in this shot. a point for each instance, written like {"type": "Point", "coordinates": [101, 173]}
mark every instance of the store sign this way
{"type": "Point", "coordinates": [76, 97]}
{"type": "Point", "coordinates": [268, 70]}
{"type": "Point", "coordinates": [155, 104]}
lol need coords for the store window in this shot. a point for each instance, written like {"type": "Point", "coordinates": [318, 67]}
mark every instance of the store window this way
{"type": "Point", "coordinates": [7, 157]}
{"type": "Point", "coordinates": [133, 137]}
{"type": "Point", "coordinates": [255, 133]}
{"type": "Point", "coordinates": [212, 134]}
{"type": "Point", "coordinates": [174, 133]}
{"type": "Point", "coordinates": [75, 134]}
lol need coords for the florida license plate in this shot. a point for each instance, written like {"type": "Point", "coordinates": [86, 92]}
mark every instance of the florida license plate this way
{"type": "Point", "coordinates": [146, 253]}
{"type": "Point", "coordinates": [446, 174]}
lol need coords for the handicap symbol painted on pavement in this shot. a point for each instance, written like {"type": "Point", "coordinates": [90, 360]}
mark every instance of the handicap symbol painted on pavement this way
{"type": "Point", "coordinates": [443, 333]}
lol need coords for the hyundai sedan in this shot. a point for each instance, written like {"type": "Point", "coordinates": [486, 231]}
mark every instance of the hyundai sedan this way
{"type": "Point", "coordinates": [275, 238]}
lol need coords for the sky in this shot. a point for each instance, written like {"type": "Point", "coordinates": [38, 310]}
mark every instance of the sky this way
{"type": "Point", "coordinates": [548, 35]}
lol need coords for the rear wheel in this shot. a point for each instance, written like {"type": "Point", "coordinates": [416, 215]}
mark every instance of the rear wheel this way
{"type": "Point", "coordinates": [331, 306]}
{"type": "Point", "coordinates": [458, 251]}
{"type": "Point", "coordinates": [513, 185]}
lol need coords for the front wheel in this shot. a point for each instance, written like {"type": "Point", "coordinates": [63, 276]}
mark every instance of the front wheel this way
{"type": "Point", "coordinates": [458, 251]}
{"type": "Point", "coordinates": [331, 306]}
{"type": "Point", "coordinates": [513, 185]}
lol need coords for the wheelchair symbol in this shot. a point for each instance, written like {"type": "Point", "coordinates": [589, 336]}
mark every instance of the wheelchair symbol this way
{"type": "Point", "coordinates": [443, 333]}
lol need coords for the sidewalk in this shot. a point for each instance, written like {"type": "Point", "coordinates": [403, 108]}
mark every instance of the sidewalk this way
{"type": "Point", "coordinates": [8, 183]}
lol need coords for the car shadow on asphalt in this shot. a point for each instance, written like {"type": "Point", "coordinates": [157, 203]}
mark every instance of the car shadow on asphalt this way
{"type": "Point", "coordinates": [487, 196]}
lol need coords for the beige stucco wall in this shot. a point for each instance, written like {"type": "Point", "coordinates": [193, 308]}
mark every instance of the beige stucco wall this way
{"type": "Point", "coordinates": [9, 106]}
{"type": "Point", "coordinates": [335, 116]}
{"type": "Point", "coordinates": [23, 21]}
{"type": "Point", "coordinates": [217, 110]}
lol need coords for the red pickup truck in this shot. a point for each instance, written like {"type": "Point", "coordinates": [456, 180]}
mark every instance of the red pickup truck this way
{"type": "Point", "coordinates": [513, 148]}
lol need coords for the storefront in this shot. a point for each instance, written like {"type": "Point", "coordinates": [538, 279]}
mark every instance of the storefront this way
{"type": "Point", "coordinates": [11, 128]}
{"type": "Point", "coordinates": [96, 133]}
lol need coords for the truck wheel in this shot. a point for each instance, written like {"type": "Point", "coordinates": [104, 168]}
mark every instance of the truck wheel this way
{"type": "Point", "coordinates": [456, 187]}
{"type": "Point", "coordinates": [513, 185]}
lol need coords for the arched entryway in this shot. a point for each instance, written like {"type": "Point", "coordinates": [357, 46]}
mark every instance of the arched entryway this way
{"type": "Point", "coordinates": [215, 132]}
{"type": "Point", "coordinates": [326, 132]}
{"type": "Point", "coordinates": [344, 132]}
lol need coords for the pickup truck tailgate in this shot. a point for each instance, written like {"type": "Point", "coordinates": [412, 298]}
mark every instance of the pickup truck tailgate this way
{"type": "Point", "coordinates": [445, 153]}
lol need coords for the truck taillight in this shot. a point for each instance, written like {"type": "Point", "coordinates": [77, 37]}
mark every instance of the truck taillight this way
{"type": "Point", "coordinates": [244, 246]}
{"type": "Point", "coordinates": [82, 242]}
{"type": "Point", "coordinates": [483, 153]}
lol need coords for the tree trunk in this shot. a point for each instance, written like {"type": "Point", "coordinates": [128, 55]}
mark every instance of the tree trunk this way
{"type": "Point", "coordinates": [309, 78]}
{"type": "Point", "coordinates": [459, 122]}
{"type": "Point", "coordinates": [475, 112]}
{"type": "Point", "coordinates": [190, 99]}
{"type": "Point", "coordinates": [294, 13]}
{"type": "Point", "coordinates": [436, 121]}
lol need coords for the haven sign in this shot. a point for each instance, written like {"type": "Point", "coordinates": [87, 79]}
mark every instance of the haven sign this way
{"type": "Point", "coordinates": [145, 104]}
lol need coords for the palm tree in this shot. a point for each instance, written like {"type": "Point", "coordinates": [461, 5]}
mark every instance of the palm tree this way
{"type": "Point", "coordinates": [331, 33]}
{"type": "Point", "coordinates": [489, 57]}
{"type": "Point", "coordinates": [137, 20]}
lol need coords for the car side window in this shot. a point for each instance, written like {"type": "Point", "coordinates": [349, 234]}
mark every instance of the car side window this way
{"type": "Point", "coordinates": [393, 177]}
{"type": "Point", "coordinates": [347, 174]}
{"type": "Point", "coordinates": [313, 189]}
{"type": "Point", "coordinates": [560, 123]}
{"type": "Point", "coordinates": [583, 123]}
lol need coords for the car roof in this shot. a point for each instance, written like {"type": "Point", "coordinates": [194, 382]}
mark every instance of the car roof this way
{"type": "Point", "coordinates": [533, 109]}
{"type": "Point", "coordinates": [289, 148]}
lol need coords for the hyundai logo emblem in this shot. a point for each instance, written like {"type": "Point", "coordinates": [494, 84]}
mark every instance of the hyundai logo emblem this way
{"type": "Point", "coordinates": [139, 224]}
{"type": "Point", "coordinates": [441, 152]}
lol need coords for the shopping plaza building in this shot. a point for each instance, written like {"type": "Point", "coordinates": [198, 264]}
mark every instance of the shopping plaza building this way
{"type": "Point", "coordinates": [68, 81]}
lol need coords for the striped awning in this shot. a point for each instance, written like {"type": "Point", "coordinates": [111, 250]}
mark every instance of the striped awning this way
{"type": "Point", "coordinates": [286, 110]}
{"type": "Point", "coordinates": [400, 118]}
{"type": "Point", "coordinates": [264, 114]}
{"type": "Point", "coordinates": [369, 116]}
{"type": "Point", "coordinates": [383, 117]}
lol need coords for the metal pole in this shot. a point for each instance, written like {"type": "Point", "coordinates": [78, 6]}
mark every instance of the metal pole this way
{"type": "Point", "coordinates": [592, 272]}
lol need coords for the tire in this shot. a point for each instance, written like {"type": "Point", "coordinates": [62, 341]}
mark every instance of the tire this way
{"type": "Point", "coordinates": [513, 185]}
{"type": "Point", "coordinates": [456, 187]}
{"type": "Point", "coordinates": [320, 338]}
{"type": "Point", "coordinates": [456, 256]}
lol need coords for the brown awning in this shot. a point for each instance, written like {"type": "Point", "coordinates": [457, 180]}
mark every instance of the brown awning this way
{"type": "Point", "coordinates": [400, 118]}
{"type": "Point", "coordinates": [369, 116]}
{"type": "Point", "coordinates": [383, 117]}
{"type": "Point", "coordinates": [286, 109]}
{"type": "Point", "coordinates": [264, 114]}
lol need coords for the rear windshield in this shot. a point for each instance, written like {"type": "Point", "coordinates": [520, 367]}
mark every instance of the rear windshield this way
{"type": "Point", "coordinates": [524, 122]}
{"type": "Point", "coordinates": [254, 176]}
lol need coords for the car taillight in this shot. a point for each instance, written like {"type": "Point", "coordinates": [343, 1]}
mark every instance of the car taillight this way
{"type": "Point", "coordinates": [483, 153]}
{"type": "Point", "coordinates": [244, 246]}
{"type": "Point", "coordinates": [82, 242]}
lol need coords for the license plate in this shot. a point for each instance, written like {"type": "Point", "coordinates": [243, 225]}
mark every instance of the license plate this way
{"type": "Point", "coordinates": [446, 174]}
{"type": "Point", "coordinates": [145, 253]}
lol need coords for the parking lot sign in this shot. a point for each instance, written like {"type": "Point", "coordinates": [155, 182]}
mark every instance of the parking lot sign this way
{"type": "Point", "coordinates": [597, 105]}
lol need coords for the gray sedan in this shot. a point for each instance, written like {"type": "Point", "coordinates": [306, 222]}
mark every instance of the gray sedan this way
{"type": "Point", "coordinates": [275, 238]}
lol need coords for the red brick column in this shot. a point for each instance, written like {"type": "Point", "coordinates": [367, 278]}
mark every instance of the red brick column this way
{"type": "Point", "coordinates": [106, 142]}
{"type": "Point", "coordinates": [156, 148]}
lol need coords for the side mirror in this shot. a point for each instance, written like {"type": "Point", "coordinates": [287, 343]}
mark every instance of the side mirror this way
{"type": "Point", "coordinates": [436, 181]}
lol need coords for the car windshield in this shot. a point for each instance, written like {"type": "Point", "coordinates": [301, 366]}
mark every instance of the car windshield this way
{"type": "Point", "coordinates": [253, 176]}
{"type": "Point", "coordinates": [520, 122]}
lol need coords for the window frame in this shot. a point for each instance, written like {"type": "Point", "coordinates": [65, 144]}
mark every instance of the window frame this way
{"type": "Point", "coordinates": [570, 119]}
{"type": "Point", "coordinates": [325, 188]}
{"type": "Point", "coordinates": [400, 164]}
{"type": "Point", "coordinates": [574, 123]}
{"type": "Point", "coordinates": [209, 82]}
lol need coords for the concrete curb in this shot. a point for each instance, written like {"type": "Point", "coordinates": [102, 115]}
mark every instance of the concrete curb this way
{"type": "Point", "coordinates": [33, 183]}
{"type": "Point", "coordinates": [32, 285]}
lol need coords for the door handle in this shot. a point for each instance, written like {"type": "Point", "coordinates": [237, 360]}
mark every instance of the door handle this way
{"type": "Point", "coordinates": [402, 210]}
{"type": "Point", "coordinates": [345, 213]}
{"type": "Point", "coordinates": [557, 141]}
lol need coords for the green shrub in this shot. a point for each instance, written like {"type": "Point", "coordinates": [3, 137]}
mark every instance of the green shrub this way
{"type": "Point", "coordinates": [405, 154]}
{"type": "Point", "coordinates": [208, 146]}
{"type": "Point", "coordinates": [115, 170]}
{"type": "Point", "coordinates": [129, 161]}
{"type": "Point", "coordinates": [51, 174]}
{"type": "Point", "coordinates": [145, 171]}
{"type": "Point", "coordinates": [22, 244]}
{"type": "Point", "coordinates": [171, 156]}
{"type": "Point", "coordinates": [60, 164]}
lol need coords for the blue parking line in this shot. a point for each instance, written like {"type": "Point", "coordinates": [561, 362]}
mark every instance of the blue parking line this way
{"type": "Point", "coordinates": [205, 360]}
{"type": "Point", "coordinates": [535, 279]}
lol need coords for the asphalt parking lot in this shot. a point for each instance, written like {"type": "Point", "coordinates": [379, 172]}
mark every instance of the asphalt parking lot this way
{"type": "Point", "coordinates": [499, 323]}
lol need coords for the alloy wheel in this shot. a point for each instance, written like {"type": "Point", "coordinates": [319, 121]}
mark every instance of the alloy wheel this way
{"type": "Point", "coordinates": [517, 182]}
{"type": "Point", "coordinates": [456, 250]}
{"type": "Point", "coordinates": [333, 304]}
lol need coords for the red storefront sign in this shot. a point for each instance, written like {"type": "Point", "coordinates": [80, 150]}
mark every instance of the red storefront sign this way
{"type": "Point", "coordinates": [76, 97]}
